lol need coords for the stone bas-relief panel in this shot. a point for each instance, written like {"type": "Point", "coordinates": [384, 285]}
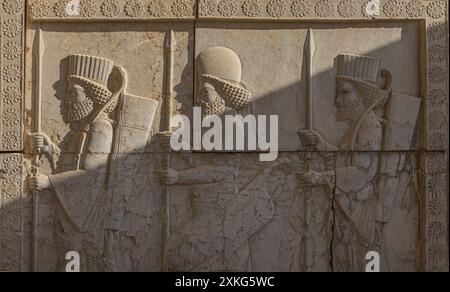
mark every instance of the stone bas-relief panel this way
{"type": "Point", "coordinates": [227, 212]}
{"type": "Point", "coordinates": [279, 83]}
{"type": "Point", "coordinates": [130, 240]}
{"type": "Point", "coordinates": [101, 115]}
{"type": "Point", "coordinates": [360, 103]}
{"type": "Point", "coordinates": [139, 48]}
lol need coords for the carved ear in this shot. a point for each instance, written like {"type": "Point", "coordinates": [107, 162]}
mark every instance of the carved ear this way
{"type": "Point", "coordinates": [118, 80]}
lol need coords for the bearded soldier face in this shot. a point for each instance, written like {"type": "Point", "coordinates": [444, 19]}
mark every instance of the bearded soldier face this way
{"type": "Point", "coordinates": [216, 95]}
{"type": "Point", "coordinates": [219, 85]}
{"type": "Point", "coordinates": [78, 103]}
{"type": "Point", "coordinates": [209, 99]}
{"type": "Point", "coordinates": [207, 93]}
{"type": "Point", "coordinates": [77, 93]}
{"type": "Point", "coordinates": [348, 103]}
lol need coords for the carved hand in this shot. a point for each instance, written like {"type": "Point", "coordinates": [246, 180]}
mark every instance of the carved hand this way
{"type": "Point", "coordinates": [168, 177]}
{"type": "Point", "coordinates": [39, 183]}
{"type": "Point", "coordinates": [165, 138]}
{"type": "Point", "coordinates": [313, 140]}
{"type": "Point", "coordinates": [41, 143]}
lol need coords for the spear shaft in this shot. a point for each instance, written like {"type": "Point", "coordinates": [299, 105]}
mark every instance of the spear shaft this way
{"type": "Point", "coordinates": [310, 52]}
{"type": "Point", "coordinates": [39, 50]}
{"type": "Point", "coordinates": [310, 98]}
{"type": "Point", "coordinates": [170, 46]}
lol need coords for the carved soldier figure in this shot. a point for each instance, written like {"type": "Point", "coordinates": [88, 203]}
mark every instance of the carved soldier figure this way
{"type": "Point", "coordinates": [223, 217]}
{"type": "Point", "coordinates": [95, 87]}
{"type": "Point", "coordinates": [360, 103]}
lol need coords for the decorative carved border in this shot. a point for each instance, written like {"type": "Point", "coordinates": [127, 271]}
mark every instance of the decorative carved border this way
{"type": "Point", "coordinates": [436, 248]}
{"type": "Point", "coordinates": [11, 74]}
{"type": "Point", "coordinates": [79, 10]}
{"type": "Point", "coordinates": [435, 219]}
{"type": "Point", "coordinates": [10, 212]}
{"type": "Point", "coordinates": [321, 9]}
{"type": "Point", "coordinates": [437, 96]}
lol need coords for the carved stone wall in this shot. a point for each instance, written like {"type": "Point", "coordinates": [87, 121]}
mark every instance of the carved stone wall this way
{"type": "Point", "coordinates": [11, 145]}
{"type": "Point", "coordinates": [95, 77]}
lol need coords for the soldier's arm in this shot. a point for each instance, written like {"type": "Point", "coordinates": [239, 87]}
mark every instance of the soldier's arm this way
{"type": "Point", "coordinates": [77, 190]}
{"type": "Point", "coordinates": [354, 178]}
{"type": "Point", "coordinates": [364, 164]}
{"type": "Point", "coordinates": [99, 144]}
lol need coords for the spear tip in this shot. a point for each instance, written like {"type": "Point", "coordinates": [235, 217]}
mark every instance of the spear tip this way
{"type": "Point", "coordinates": [40, 41]}
{"type": "Point", "coordinates": [171, 42]}
{"type": "Point", "coordinates": [311, 41]}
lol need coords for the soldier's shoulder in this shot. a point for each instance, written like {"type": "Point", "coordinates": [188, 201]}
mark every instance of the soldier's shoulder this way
{"type": "Point", "coordinates": [372, 123]}
{"type": "Point", "coordinates": [102, 123]}
{"type": "Point", "coordinates": [370, 134]}
{"type": "Point", "coordinates": [102, 126]}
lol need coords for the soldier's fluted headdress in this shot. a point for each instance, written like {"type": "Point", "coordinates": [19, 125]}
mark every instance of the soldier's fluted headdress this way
{"type": "Point", "coordinates": [89, 67]}
{"type": "Point", "coordinates": [92, 73]}
{"type": "Point", "coordinates": [362, 73]}
{"type": "Point", "coordinates": [361, 67]}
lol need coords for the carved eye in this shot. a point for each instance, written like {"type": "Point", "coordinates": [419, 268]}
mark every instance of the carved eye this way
{"type": "Point", "coordinates": [208, 91]}
{"type": "Point", "coordinates": [77, 93]}
{"type": "Point", "coordinates": [347, 91]}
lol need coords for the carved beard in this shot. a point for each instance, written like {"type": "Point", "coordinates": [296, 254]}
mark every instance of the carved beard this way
{"type": "Point", "coordinates": [236, 96]}
{"type": "Point", "coordinates": [349, 111]}
{"type": "Point", "coordinates": [214, 108]}
{"type": "Point", "coordinates": [79, 110]}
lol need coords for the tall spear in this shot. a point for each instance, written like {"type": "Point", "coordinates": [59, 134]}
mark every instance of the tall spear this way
{"type": "Point", "coordinates": [310, 52]}
{"type": "Point", "coordinates": [170, 46]}
{"type": "Point", "coordinates": [39, 49]}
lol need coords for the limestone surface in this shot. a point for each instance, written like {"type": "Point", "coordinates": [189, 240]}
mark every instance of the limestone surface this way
{"type": "Point", "coordinates": [89, 90]}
